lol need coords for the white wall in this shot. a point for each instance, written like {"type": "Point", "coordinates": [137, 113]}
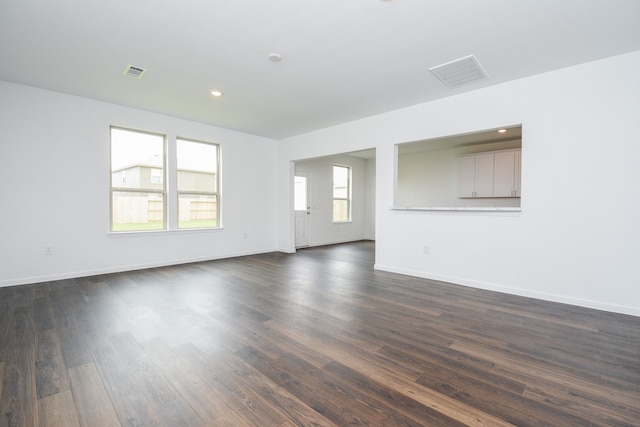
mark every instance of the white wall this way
{"type": "Point", "coordinates": [576, 239]}
{"type": "Point", "coordinates": [54, 183]}
{"type": "Point", "coordinates": [322, 229]}
{"type": "Point", "coordinates": [370, 200]}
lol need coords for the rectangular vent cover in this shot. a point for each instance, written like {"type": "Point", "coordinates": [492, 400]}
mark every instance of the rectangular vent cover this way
{"type": "Point", "coordinates": [135, 72]}
{"type": "Point", "coordinates": [459, 72]}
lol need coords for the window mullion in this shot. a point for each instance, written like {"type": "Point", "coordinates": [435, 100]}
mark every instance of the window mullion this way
{"type": "Point", "coordinates": [171, 177]}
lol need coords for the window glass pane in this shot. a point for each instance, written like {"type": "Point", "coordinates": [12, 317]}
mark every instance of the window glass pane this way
{"type": "Point", "coordinates": [137, 160]}
{"type": "Point", "coordinates": [137, 211]}
{"type": "Point", "coordinates": [197, 166]}
{"type": "Point", "coordinates": [197, 211]}
{"type": "Point", "coordinates": [137, 181]}
{"type": "Point", "coordinates": [340, 210]}
{"type": "Point", "coordinates": [340, 182]}
{"type": "Point", "coordinates": [341, 193]}
{"type": "Point", "coordinates": [300, 193]}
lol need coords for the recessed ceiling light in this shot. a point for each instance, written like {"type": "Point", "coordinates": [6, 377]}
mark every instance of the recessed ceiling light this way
{"type": "Point", "coordinates": [216, 93]}
{"type": "Point", "coordinates": [502, 130]}
{"type": "Point", "coordinates": [274, 57]}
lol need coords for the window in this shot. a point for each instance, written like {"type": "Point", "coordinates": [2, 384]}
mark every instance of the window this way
{"type": "Point", "coordinates": [156, 176]}
{"type": "Point", "coordinates": [137, 184]}
{"type": "Point", "coordinates": [141, 200]}
{"type": "Point", "coordinates": [341, 193]}
{"type": "Point", "coordinates": [198, 205]}
{"type": "Point", "coordinates": [300, 193]}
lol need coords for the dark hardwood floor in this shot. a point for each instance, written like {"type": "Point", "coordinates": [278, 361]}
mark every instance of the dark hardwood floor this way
{"type": "Point", "coordinates": [317, 338]}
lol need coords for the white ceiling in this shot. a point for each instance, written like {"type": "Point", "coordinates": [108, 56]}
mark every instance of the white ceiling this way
{"type": "Point", "coordinates": [341, 59]}
{"type": "Point", "coordinates": [464, 140]}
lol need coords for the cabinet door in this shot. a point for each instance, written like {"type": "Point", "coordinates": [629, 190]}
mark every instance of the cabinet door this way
{"type": "Point", "coordinates": [466, 176]}
{"type": "Point", "coordinates": [507, 174]}
{"type": "Point", "coordinates": [484, 175]}
{"type": "Point", "coordinates": [518, 171]}
{"type": "Point", "coordinates": [504, 179]}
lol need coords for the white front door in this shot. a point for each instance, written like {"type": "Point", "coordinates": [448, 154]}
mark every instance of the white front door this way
{"type": "Point", "coordinates": [302, 208]}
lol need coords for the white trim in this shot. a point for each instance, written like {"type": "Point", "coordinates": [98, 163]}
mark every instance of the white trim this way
{"type": "Point", "coordinates": [119, 269]}
{"type": "Point", "coordinates": [148, 233]}
{"type": "Point", "coordinates": [614, 308]}
{"type": "Point", "coordinates": [458, 209]}
{"type": "Point", "coordinates": [334, 242]}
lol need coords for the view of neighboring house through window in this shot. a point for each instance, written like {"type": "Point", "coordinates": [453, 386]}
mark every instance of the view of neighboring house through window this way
{"type": "Point", "coordinates": [137, 181]}
{"type": "Point", "coordinates": [341, 193]}
{"type": "Point", "coordinates": [198, 199]}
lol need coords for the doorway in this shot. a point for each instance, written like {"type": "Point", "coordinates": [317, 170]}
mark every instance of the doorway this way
{"type": "Point", "coordinates": [311, 196]}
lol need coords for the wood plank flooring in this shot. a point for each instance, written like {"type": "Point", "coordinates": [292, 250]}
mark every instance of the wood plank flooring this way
{"type": "Point", "coordinates": [316, 338]}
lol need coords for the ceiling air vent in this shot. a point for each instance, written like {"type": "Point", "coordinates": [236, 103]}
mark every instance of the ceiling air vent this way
{"type": "Point", "coordinates": [459, 72]}
{"type": "Point", "coordinates": [135, 72]}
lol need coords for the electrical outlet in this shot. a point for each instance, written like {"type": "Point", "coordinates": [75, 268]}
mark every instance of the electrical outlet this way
{"type": "Point", "coordinates": [425, 250]}
{"type": "Point", "coordinates": [48, 250]}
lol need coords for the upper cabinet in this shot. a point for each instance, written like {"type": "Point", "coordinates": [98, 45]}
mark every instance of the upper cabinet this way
{"type": "Point", "coordinates": [475, 175]}
{"type": "Point", "coordinates": [489, 174]}
{"type": "Point", "coordinates": [506, 179]}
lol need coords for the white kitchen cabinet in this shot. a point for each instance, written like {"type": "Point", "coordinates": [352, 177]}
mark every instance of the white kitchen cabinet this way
{"type": "Point", "coordinates": [489, 174]}
{"type": "Point", "coordinates": [506, 178]}
{"type": "Point", "coordinates": [466, 176]}
{"type": "Point", "coordinates": [475, 175]}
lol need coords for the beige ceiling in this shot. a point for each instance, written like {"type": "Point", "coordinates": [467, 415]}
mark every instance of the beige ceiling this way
{"type": "Point", "coordinates": [341, 59]}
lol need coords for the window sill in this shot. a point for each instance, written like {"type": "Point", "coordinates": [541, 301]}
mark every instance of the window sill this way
{"type": "Point", "coordinates": [456, 209]}
{"type": "Point", "coordinates": [154, 233]}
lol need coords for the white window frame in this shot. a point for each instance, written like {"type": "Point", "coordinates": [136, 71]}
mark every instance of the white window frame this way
{"type": "Point", "coordinates": [348, 198]}
{"type": "Point", "coordinates": [215, 192]}
{"type": "Point", "coordinates": [162, 192]}
{"type": "Point", "coordinates": [169, 193]}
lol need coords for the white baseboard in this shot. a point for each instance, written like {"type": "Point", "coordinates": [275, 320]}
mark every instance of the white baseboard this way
{"type": "Point", "coordinates": [119, 269]}
{"type": "Point", "coordinates": [337, 241]}
{"type": "Point", "coordinates": [564, 299]}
